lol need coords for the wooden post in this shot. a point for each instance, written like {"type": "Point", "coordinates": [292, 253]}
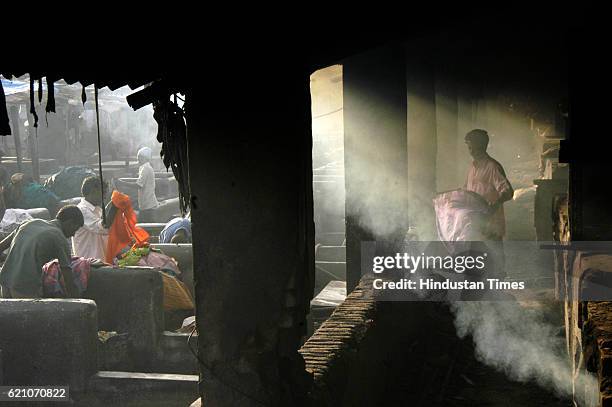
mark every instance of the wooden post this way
{"type": "Point", "coordinates": [14, 115]}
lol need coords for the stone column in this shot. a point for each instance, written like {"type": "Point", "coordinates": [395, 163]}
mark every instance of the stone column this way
{"type": "Point", "coordinates": [375, 150]}
{"type": "Point", "coordinates": [422, 143]}
{"type": "Point", "coordinates": [250, 170]}
{"type": "Point", "coordinates": [446, 130]}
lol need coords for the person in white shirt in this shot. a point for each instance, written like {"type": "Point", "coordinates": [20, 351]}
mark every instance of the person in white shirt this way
{"type": "Point", "coordinates": [147, 201]}
{"type": "Point", "coordinates": [91, 239]}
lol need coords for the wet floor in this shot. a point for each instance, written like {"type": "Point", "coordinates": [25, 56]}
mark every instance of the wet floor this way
{"type": "Point", "coordinates": [445, 372]}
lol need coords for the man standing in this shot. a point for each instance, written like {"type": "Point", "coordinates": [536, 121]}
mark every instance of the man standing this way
{"type": "Point", "coordinates": [487, 178]}
{"type": "Point", "coordinates": [147, 201]}
{"type": "Point", "coordinates": [90, 240]}
{"type": "Point", "coordinates": [33, 244]}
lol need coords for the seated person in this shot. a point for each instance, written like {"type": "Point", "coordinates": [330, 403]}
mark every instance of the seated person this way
{"type": "Point", "coordinates": [90, 241]}
{"type": "Point", "coordinates": [178, 230]}
{"type": "Point", "coordinates": [32, 245]}
{"type": "Point", "coordinates": [24, 193]}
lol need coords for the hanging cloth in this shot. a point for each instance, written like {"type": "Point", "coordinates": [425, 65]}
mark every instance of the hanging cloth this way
{"type": "Point", "coordinates": [50, 96]}
{"type": "Point", "coordinates": [32, 106]}
{"type": "Point", "coordinates": [123, 231]}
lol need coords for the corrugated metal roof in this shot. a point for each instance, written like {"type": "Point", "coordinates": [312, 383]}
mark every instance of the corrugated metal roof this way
{"type": "Point", "coordinates": [111, 81]}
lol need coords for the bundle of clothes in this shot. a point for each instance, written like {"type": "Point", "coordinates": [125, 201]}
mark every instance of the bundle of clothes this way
{"type": "Point", "coordinates": [12, 219]}
{"type": "Point", "coordinates": [66, 183]}
{"type": "Point", "coordinates": [23, 193]}
{"type": "Point", "coordinates": [54, 285]}
{"type": "Point", "coordinates": [461, 217]}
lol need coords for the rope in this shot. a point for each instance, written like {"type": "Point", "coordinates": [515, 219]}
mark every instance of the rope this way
{"type": "Point", "coordinates": [99, 153]}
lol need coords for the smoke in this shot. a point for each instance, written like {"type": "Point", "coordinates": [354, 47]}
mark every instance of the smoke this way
{"type": "Point", "coordinates": [523, 345]}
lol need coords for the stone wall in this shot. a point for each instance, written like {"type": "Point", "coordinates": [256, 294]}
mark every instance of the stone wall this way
{"type": "Point", "coordinates": [583, 284]}
{"type": "Point", "coordinates": [253, 233]}
{"type": "Point", "coordinates": [48, 342]}
{"type": "Point", "coordinates": [355, 355]}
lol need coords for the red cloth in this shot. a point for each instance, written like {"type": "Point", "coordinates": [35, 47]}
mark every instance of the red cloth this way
{"type": "Point", "coordinates": [54, 285]}
{"type": "Point", "coordinates": [123, 231]}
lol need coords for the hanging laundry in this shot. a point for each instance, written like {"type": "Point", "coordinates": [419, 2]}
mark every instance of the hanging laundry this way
{"type": "Point", "coordinates": [50, 96]}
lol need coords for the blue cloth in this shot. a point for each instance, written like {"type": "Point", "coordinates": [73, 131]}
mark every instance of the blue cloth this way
{"type": "Point", "coordinates": [174, 226]}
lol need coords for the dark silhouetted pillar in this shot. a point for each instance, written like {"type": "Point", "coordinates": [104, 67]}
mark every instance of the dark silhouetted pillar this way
{"type": "Point", "coordinates": [250, 169]}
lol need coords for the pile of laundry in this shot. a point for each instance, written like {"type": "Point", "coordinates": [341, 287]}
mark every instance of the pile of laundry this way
{"type": "Point", "coordinates": [23, 193]}
{"type": "Point", "coordinates": [67, 182]}
{"type": "Point", "coordinates": [12, 219]}
{"type": "Point", "coordinates": [54, 285]}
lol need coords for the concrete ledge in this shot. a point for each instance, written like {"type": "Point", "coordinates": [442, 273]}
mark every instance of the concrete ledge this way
{"type": "Point", "coordinates": [331, 239]}
{"type": "Point", "coordinates": [174, 356]}
{"type": "Point", "coordinates": [130, 300]}
{"type": "Point", "coordinates": [331, 253]}
{"type": "Point", "coordinates": [127, 387]}
{"type": "Point", "coordinates": [47, 342]}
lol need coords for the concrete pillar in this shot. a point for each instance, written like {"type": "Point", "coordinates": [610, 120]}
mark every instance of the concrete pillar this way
{"type": "Point", "coordinates": [375, 150]}
{"type": "Point", "coordinates": [466, 121]}
{"type": "Point", "coordinates": [447, 177]}
{"type": "Point", "coordinates": [250, 168]}
{"type": "Point", "coordinates": [422, 143]}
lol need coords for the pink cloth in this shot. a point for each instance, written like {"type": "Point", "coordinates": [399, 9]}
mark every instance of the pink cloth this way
{"type": "Point", "coordinates": [487, 178]}
{"type": "Point", "coordinates": [160, 261]}
{"type": "Point", "coordinates": [460, 216]}
{"type": "Point", "coordinates": [53, 281]}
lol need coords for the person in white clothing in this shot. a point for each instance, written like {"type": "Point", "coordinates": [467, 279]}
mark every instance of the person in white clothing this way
{"type": "Point", "coordinates": [147, 201]}
{"type": "Point", "coordinates": [91, 239]}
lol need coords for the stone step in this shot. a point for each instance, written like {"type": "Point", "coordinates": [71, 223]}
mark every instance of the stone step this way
{"type": "Point", "coordinates": [331, 253]}
{"type": "Point", "coordinates": [330, 239]}
{"type": "Point", "coordinates": [330, 223]}
{"type": "Point", "coordinates": [125, 388]}
{"type": "Point", "coordinates": [174, 355]}
{"type": "Point", "coordinates": [326, 271]}
{"type": "Point", "coordinates": [335, 269]}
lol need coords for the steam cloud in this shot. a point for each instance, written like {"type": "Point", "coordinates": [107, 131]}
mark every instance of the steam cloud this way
{"type": "Point", "coordinates": [520, 343]}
